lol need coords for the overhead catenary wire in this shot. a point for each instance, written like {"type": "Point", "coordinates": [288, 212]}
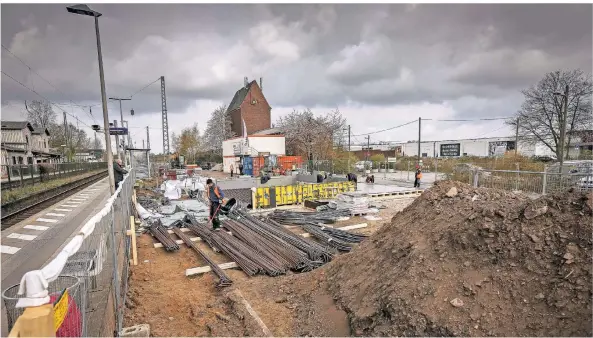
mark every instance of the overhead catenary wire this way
{"type": "Point", "coordinates": [50, 83]}
{"type": "Point", "coordinates": [148, 85]}
{"type": "Point", "coordinates": [43, 97]}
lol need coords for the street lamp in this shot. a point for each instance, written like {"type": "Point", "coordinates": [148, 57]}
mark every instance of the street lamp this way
{"type": "Point", "coordinates": [562, 120]}
{"type": "Point", "coordinates": [85, 10]}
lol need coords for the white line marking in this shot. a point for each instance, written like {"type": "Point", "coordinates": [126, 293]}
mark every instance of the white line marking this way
{"type": "Point", "coordinates": [23, 237]}
{"type": "Point", "coordinates": [36, 227]}
{"type": "Point", "coordinates": [66, 210]}
{"type": "Point", "coordinates": [54, 214]}
{"type": "Point", "coordinates": [47, 220]}
{"type": "Point", "coordinates": [69, 205]}
{"type": "Point", "coordinates": [5, 249]}
{"type": "Point", "coordinates": [79, 199]}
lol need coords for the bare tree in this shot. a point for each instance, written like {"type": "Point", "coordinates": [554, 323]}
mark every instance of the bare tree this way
{"type": "Point", "coordinates": [309, 135]}
{"type": "Point", "coordinates": [188, 143]}
{"type": "Point", "coordinates": [541, 115]}
{"type": "Point", "coordinates": [218, 129]}
{"type": "Point", "coordinates": [40, 113]}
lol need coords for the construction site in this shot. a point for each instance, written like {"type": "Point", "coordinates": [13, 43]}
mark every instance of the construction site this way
{"type": "Point", "coordinates": [452, 260]}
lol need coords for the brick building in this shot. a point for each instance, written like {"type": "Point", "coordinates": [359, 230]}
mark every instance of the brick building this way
{"type": "Point", "coordinates": [250, 104]}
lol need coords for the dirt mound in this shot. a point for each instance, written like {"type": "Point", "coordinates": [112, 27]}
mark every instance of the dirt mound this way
{"type": "Point", "coordinates": [472, 262]}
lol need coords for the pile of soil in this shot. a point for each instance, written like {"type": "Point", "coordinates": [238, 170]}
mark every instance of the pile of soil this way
{"type": "Point", "coordinates": [471, 262]}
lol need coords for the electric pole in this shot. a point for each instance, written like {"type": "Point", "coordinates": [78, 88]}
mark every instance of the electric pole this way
{"type": "Point", "coordinates": [348, 137]}
{"type": "Point", "coordinates": [419, 139]}
{"type": "Point", "coordinates": [368, 146]}
{"type": "Point", "coordinates": [117, 141]}
{"type": "Point", "coordinates": [147, 138]}
{"type": "Point", "coordinates": [517, 137]}
{"type": "Point", "coordinates": [121, 116]}
{"type": "Point", "coordinates": [164, 117]}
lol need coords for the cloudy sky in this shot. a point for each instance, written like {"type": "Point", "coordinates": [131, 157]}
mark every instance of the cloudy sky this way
{"type": "Point", "coordinates": [380, 65]}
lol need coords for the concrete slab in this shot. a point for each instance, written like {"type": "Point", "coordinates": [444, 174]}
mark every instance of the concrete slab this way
{"type": "Point", "coordinates": [140, 330]}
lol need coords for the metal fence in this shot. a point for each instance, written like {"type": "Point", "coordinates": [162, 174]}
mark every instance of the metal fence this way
{"type": "Point", "coordinates": [23, 175]}
{"type": "Point", "coordinates": [95, 272]}
{"type": "Point", "coordinates": [531, 182]}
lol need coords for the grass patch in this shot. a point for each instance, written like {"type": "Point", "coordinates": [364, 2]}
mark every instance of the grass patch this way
{"type": "Point", "coordinates": [26, 191]}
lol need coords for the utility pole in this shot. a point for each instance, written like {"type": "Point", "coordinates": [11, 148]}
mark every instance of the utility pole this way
{"type": "Point", "coordinates": [348, 138]}
{"type": "Point", "coordinates": [419, 139]}
{"type": "Point", "coordinates": [164, 117]}
{"type": "Point", "coordinates": [517, 137]}
{"type": "Point", "coordinates": [117, 141]}
{"type": "Point", "coordinates": [368, 146]}
{"type": "Point", "coordinates": [66, 134]}
{"type": "Point", "coordinates": [121, 115]}
{"type": "Point", "coordinates": [148, 151]}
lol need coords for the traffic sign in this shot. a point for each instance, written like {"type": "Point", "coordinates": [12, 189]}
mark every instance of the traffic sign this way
{"type": "Point", "coordinates": [118, 131]}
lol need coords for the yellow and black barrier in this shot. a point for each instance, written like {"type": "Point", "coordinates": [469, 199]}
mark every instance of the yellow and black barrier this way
{"type": "Point", "coordinates": [270, 197]}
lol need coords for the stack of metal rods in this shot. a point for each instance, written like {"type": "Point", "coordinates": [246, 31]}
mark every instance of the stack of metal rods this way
{"type": "Point", "coordinates": [343, 235]}
{"type": "Point", "coordinates": [323, 237]}
{"type": "Point", "coordinates": [296, 217]}
{"type": "Point", "coordinates": [315, 251]}
{"type": "Point", "coordinates": [248, 259]}
{"type": "Point", "coordinates": [224, 280]}
{"type": "Point", "coordinates": [160, 233]}
{"type": "Point", "coordinates": [267, 244]}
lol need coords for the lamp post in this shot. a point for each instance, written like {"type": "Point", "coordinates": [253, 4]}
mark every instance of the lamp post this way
{"type": "Point", "coordinates": [85, 10]}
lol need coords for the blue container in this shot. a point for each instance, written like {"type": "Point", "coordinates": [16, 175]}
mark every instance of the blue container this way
{"type": "Point", "coordinates": [248, 166]}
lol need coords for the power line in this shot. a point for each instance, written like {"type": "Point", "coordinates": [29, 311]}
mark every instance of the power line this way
{"type": "Point", "coordinates": [148, 85]}
{"type": "Point", "coordinates": [45, 98]}
{"type": "Point", "coordinates": [48, 82]}
{"type": "Point", "coordinates": [380, 131]}
{"type": "Point", "coordinates": [471, 120]}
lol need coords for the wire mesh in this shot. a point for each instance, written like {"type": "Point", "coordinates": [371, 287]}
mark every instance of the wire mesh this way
{"type": "Point", "coordinates": [74, 321]}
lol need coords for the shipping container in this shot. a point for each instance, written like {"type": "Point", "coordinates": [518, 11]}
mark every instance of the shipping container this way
{"type": "Point", "coordinates": [290, 162]}
{"type": "Point", "coordinates": [247, 166]}
{"type": "Point", "coordinates": [258, 164]}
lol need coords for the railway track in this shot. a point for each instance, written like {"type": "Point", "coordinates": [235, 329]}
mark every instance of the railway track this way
{"type": "Point", "coordinates": [19, 210]}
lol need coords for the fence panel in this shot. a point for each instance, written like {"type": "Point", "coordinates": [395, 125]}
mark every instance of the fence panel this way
{"type": "Point", "coordinates": [22, 175]}
{"type": "Point", "coordinates": [100, 268]}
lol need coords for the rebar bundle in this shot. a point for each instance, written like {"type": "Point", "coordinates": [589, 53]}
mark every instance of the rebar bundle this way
{"type": "Point", "coordinates": [224, 280]}
{"type": "Point", "coordinates": [160, 233]}
{"type": "Point", "coordinates": [296, 217]}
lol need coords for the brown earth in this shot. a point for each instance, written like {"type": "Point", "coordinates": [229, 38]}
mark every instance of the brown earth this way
{"type": "Point", "coordinates": [482, 262]}
{"type": "Point", "coordinates": [159, 290]}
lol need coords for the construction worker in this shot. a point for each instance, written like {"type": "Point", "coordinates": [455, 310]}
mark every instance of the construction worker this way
{"type": "Point", "coordinates": [417, 178]}
{"type": "Point", "coordinates": [215, 196]}
{"type": "Point", "coordinates": [118, 172]}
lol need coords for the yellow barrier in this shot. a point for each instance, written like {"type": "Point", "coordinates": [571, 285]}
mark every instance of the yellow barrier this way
{"type": "Point", "coordinates": [35, 322]}
{"type": "Point", "coordinates": [270, 197]}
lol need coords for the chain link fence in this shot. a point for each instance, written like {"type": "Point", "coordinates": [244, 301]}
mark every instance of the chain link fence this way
{"type": "Point", "coordinates": [95, 274]}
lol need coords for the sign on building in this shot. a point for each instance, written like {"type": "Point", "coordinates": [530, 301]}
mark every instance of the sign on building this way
{"type": "Point", "coordinates": [391, 159]}
{"type": "Point", "coordinates": [451, 149]}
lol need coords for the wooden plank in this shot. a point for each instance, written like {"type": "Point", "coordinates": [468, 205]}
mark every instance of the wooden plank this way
{"type": "Point", "coordinates": [193, 239]}
{"type": "Point", "coordinates": [203, 269]}
{"type": "Point", "coordinates": [254, 315]}
{"type": "Point", "coordinates": [133, 235]}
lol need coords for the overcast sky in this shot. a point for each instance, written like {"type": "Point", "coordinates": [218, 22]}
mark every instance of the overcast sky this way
{"type": "Point", "coordinates": [380, 65]}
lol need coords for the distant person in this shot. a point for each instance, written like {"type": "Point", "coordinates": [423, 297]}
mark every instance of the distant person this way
{"type": "Point", "coordinates": [351, 177]}
{"type": "Point", "coordinates": [417, 178]}
{"type": "Point", "coordinates": [373, 179]}
{"type": "Point", "coordinates": [215, 196]}
{"type": "Point", "coordinates": [240, 168]}
{"type": "Point", "coordinates": [232, 170]}
{"type": "Point", "coordinates": [118, 172]}
{"type": "Point", "coordinates": [319, 178]}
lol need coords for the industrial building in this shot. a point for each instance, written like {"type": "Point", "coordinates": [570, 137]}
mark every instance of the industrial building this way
{"type": "Point", "coordinates": [482, 147]}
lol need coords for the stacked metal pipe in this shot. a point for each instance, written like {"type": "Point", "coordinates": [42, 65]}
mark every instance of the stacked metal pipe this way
{"type": "Point", "coordinates": [224, 280]}
{"type": "Point", "coordinates": [296, 217]}
{"type": "Point", "coordinates": [157, 229]}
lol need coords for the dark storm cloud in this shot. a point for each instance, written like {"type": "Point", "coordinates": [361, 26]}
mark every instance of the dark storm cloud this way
{"type": "Point", "coordinates": [308, 54]}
